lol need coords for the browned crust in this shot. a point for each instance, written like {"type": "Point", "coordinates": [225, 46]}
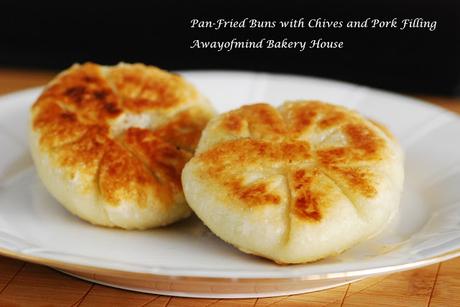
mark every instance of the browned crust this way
{"type": "Point", "coordinates": [276, 145]}
{"type": "Point", "coordinates": [73, 118]}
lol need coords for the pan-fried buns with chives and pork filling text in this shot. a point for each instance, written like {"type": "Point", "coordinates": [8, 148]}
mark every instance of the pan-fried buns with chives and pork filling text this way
{"type": "Point", "coordinates": [110, 142]}
{"type": "Point", "coordinates": [294, 184]}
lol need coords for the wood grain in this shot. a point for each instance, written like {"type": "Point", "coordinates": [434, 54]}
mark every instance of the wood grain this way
{"type": "Point", "coordinates": [25, 284]}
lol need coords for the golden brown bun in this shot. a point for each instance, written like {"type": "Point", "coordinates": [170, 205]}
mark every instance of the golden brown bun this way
{"type": "Point", "coordinates": [110, 142]}
{"type": "Point", "coordinates": [294, 184]}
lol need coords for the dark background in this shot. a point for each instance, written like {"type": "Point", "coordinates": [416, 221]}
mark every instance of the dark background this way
{"type": "Point", "coordinates": [415, 61]}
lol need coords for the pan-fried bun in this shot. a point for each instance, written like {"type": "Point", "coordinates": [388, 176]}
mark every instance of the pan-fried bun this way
{"type": "Point", "coordinates": [294, 184]}
{"type": "Point", "coordinates": [109, 143]}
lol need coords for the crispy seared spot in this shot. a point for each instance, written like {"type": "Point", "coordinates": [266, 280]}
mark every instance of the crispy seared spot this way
{"type": "Point", "coordinates": [363, 138]}
{"type": "Point", "coordinates": [221, 163]}
{"type": "Point", "coordinates": [101, 94]}
{"type": "Point", "coordinates": [128, 80]}
{"type": "Point", "coordinates": [250, 151]}
{"type": "Point", "coordinates": [306, 201]}
{"type": "Point", "coordinates": [333, 156]}
{"type": "Point", "coordinates": [300, 117]}
{"type": "Point", "coordinates": [332, 119]}
{"type": "Point", "coordinates": [111, 108]}
{"type": "Point", "coordinates": [89, 78]}
{"type": "Point", "coordinates": [264, 122]}
{"type": "Point", "coordinates": [265, 116]}
{"type": "Point", "coordinates": [363, 145]}
{"type": "Point", "coordinates": [254, 194]}
{"type": "Point", "coordinates": [71, 117]}
{"type": "Point", "coordinates": [85, 92]}
{"type": "Point", "coordinates": [56, 125]}
{"type": "Point", "coordinates": [75, 93]}
{"type": "Point", "coordinates": [383, 128]}
{"type": "Point", "coordinates": [122, 176]}
{"type": "Point", "coordinates": [80, 158]}
{"type": "Point", "coordinates": [83, 150]}
{"type": "Point", "coordinates": [164, 159]}
{"type": "Point", "coordinates": [358, 179]}
{"type": "Point", "coordinates": [232, 122]}
{"type": "Point", "coordinates": [303, 119]}
{"type": "Point", "coordinates": [306, 207]}
{"type": "Point", "coordinates": [142, 89]}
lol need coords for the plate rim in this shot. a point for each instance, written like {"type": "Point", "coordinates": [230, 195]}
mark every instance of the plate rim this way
{"type": "Point", "coordinates": [69, 266]}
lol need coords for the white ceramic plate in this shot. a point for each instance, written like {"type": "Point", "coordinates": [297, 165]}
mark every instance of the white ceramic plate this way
{"type": "Point", "coordinates": [186, 259]}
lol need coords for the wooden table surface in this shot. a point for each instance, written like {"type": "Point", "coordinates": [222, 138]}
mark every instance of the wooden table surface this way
{"type": "Point", "coordinates": [26, 284]}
